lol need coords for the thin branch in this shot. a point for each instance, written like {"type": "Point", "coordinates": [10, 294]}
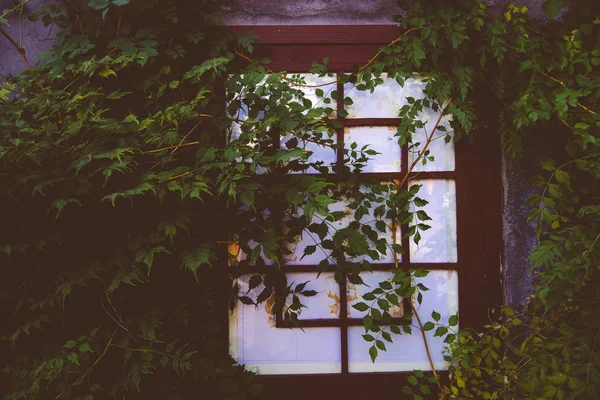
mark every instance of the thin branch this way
{"type": "Point", "coordinates": [395, 240]}
{"type": "Point", "coordinates": [21, 51]}
{"type": "Point", "coordinates": [123, 327]}
{"type": "Point", "coordinates": [437, 378]}
{"type": "Point", "coordinates": [152, 351]}
{"type": "Point", "coordinates": [182, 140]}
{"type": "Point", "coordinates": [565, 86]}
{"type": "Point", "coordinates": [99, 358]}
{"type": "Point", "coordinates": [428, 141]}
{"type": "Point", "coordinates": [111, 305]}
{"type": "Point", "coordinates": [178, 176]}
{"type": "Point", "coordinates": [389, 45]}
{"type": "Point", "coordinates": [119, 25]}
{"type": "Point", "coordinates": [15, 8]}
{"type": "Point", "coordinates": [170, 147]}
{"type": "Point", "coordinates": [89, 370]}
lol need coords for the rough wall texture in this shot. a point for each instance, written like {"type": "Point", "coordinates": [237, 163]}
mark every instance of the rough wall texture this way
{"type": "Point", "coordinates": [33, 37]}
{"type": "Point", "coordinates": [326, 12]}
{"type": "Point", "coordinates": [519, 237]}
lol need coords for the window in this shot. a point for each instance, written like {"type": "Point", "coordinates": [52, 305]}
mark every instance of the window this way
{"type": "Point", "coordinates": [461, 250]}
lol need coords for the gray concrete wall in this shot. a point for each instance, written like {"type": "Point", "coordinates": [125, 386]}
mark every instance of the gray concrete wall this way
{"type": "Point", "coordinates": [330, 12]}
{"type": "Point", "coordinates": [32, 36]}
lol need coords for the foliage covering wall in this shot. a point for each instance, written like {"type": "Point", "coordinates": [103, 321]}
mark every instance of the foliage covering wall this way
{"type": "Point", "coordinates": [121, 188]}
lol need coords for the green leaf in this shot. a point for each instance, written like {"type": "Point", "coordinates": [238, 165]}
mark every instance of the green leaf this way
{"type": "Point", "coordinates": [72, 357]}
{"type": "Point", "coordinates": [453, 320]}
{"type": "Point", "coordinates": [98, 4]}
{"type": "Point", "coordinates": [368, 338]}
{"type": "Point", "coordinates": [193, 259]}
{"type": "Point", "coordinates": [373, 353]}
{"type": "Point", "coordinates": [428, 326]}
{"type": "Point", "coordinates": [436, 316]}
{"type": "Point", "coordinates": [70, 344]}
{"type": "Point", "coordinates": [360, 306]}
{"type": "Point", "coordinates": [553, 7]}
{"type": "Point", "coordinates": [84, 348]}
{"type": "Point", "coordinates": [440, 331]}
{"type": "Point", "coordinates": [196, 72]}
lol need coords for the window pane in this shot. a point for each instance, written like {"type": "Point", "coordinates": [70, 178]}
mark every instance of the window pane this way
{"type": "Point", "coordinates": [442, 152]}
{"type": "Point", "coordinates": [327, 84]}
{"type": "Point", "coordinates": [319, 153]}
{"type": "Point", "coordinates": [380, 139]}
{"type": "Point", "coordinates": [326, 303]}
{"type": "Point", "coordinates": [408, 351]}
{"type": "Point", "coordinates": [265, 349]}
{"type": "Point", "coordinates": [372, 279]}
{"type": "Point", "coordinates": [385, 101]}
{"type": "Point", "coordinates": [311, 239]}
{"type": "Point", "coordinates": [438, 244]}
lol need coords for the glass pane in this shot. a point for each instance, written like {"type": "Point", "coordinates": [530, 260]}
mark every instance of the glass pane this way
{"type": "Point", "coordinates": [381, 139]}
{"type": "Point", "coordinates": [385, 101]}
{"type": "Point", "coordinates": [265, 349]}
{"type": "Point", "coordinates": [355, 293]}
{"type": "Point", "coordinates": [313, 82]}
{"type": "Point", "coordinates": [408, 351]}
{"type": "Point", "coordinates": [319, 153]}
{"type": "Point", "coordinates": [310, 239]}
{"type": "Point", "coordinates": [438, 244]}
{"type": "Point", "coordinates": [326, 303]}
{"type": "Point", "coordinates": [309, 88]}
{"type": "Point", "coordinates": [442, 152]}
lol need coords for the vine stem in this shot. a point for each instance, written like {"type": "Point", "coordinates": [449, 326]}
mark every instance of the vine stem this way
{"type": "Point", "coordinates": [427, 143]}
{"type": "Point", "coordinates": [170, 147]}
{"type": "Point", "coordinates": [395, 241]}
{"type": "Point", "coordinates": [15, 8]}
{"type": "Point", "coordinates": [554, 173]}
{"type": "Point", "coordinates": [437, 378]}
{"type": "Point", "coordinates": [21, 51]}
{"type": "Point", "coordinates": [89, 370]}
{"type": "Point", "coordinates": [565, 86]}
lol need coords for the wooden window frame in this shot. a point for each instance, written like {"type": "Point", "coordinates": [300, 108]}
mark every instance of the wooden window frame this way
{"type": "Point", "coordinates": [478, 199]}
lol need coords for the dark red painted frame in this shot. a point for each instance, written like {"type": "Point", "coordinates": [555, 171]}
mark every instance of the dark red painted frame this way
{"type": "Point", "coordinates": [478, 196]}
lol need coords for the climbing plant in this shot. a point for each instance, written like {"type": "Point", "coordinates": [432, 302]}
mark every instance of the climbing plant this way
{"type": "Point", "coordinates": [141, 156]}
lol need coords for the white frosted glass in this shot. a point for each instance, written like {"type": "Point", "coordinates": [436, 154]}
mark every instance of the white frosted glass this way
{"type": "Point", "coordinates": [385, 101]}
{"type": "Point", "coordinates": [372, 279]}
{"type": "Point", "coordinates": [265, 349]}
{"type": "Point", "coordinates": [241, 256]}
{"type": "Point", "coordinates": [309, 238]}
{"type": "Point", "coordinates": [325, 154]}
{"type": "Point", "coordinates": [437, 244]}
{"type": "Point", "coordinates": [326, 303]}
{"type": "Point", "coordinates": [381, 139]}
{"type": "Point", "coordinates": [326, 83]}
{"type": "Point", "coordinates": [408, 351]}
{"type": "Point", "coordinates": [442, 152]}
